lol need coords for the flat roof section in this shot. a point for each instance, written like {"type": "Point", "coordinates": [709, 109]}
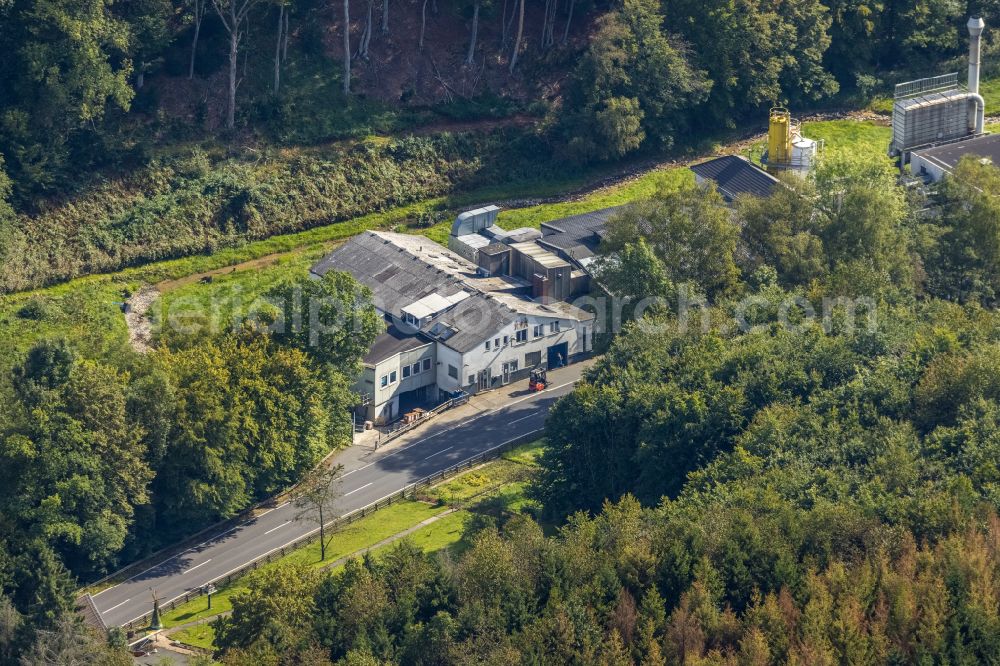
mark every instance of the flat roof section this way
{"type": "Point", "coordinates": [392, 342]}
{"type": "Point", "coordinates": [948, 155]}
{"type": "Point", "coordinates": [541, 255]}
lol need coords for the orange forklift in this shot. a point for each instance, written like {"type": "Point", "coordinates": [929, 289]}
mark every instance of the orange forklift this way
{"type": "Point", "coordinates": [537, 380]}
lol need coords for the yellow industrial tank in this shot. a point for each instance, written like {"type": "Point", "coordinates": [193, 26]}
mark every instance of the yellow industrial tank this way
{"type": "Point", "coordinates": [779, 136]}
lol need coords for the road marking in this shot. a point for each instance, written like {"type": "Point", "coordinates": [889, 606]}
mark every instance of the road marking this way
{"type": "Point", "coordinates": [523, 418]}
{"type": "Point", "coordinates": [356, 470]}
{"type": "Point", "coordinates": [278, 527]}
{"type": "Point", "coordinates": [357, 489]}
{"type": "Point", "coordinates": [439, 452]}
{"type": "Point", "coordinates": [316, 529]}
{"type": "Point", "coordinates": [198, 565]}
{"type": "Point", "coordinates": [117, 605]}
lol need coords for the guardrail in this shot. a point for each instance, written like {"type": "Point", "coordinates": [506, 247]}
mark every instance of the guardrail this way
{"type": "Point", "coordinates": [215, 529]}
{"type": "Point", "coordinates": [336, 523]}
{"type": "Point", "coordinates": [406, 427]}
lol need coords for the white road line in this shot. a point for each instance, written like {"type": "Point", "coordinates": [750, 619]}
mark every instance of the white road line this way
{"type": "Point", "coordinates": [523, 418]}
{"type": "Point", "coordinates": [278, 527]}
{"type": "Point", "coordinates": [420, 441]}
{"type": "Point", "coordinates": [356, 470]}
{"type": "Point", "coordinates": [316, 529]}
{"type": "Point", "coordinates": [198, 565]}
{"type": "Point", "coordinates": [357, 489]}
{"type": "Point", "coordinates": [117, 605]}
{"type": "Point", "coordinates": [439, 452]}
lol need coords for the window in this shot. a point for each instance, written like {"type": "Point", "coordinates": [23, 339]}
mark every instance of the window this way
{"type": "Point", "coordinates": [531, 359]}
{"type": "Point", "coordinates": [496, 343]}
{"type": "Point", "coordinates": [416, 368]}
{"type": "Point", "coordinates": [506, 339]}
{"type": "Point", "coordinates": [538, 330]}
{"type": "Point", "coordinates": [452, 371]}
{"type": "Point", "coordinates": [522, 335]}
{"type": "Point", "coordinates": [392, 377]}
{"type": "Point", "coordinates": [554, 327]}
{"type": "Point", "coordinates": [427, 364]}
{"type": "Point", "coordinates": [487, 345]}
{"type": "Point", "coordinates": [472, 379]}
{"type": "Point", "coordinates": [384, 381]}
{"type": "Point", "coordinates": [513, 366]}
{"type": "Point", "coordinates": [410, 319]}
{"type": "Point", "coordinates": [406, 371]}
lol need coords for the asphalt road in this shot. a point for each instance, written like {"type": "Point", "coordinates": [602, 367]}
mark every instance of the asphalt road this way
{"type": "Point", "coordinates": [365, 481]}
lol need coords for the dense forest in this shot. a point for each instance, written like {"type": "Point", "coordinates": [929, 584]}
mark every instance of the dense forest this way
{"type": "Point", "coordinates": [778, 479]}
{"type": "Point", "coordinates": [103, 462]}
{"type": "Point", "coordinates": [149, 129]}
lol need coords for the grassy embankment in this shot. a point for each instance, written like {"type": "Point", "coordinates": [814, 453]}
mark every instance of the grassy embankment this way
{"type": "Point", "coordinates": [494, 488]}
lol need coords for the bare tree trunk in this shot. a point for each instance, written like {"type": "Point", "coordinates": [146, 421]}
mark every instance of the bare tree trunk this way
{"type": "Point", "coordinates": [503, 25]}
{"type": "Point", "coordinates": [199, 14]}
{"type": "Point", "coordinates": [233, 13]}
{"type": "Point", "coordinates": [551, 25]}
{"type": "Point", "coordinates": [520, 34]}
{"type": "Point", "coordinates": [284, 41]}
{"type": "Point", "coordinates": [385, 17]}
{"type": "Point", "coordinates": [347, 47]}
{"type": "Point", "coordinates": [366, 36]}
{"type": "Point", "coordinates": [423, 24]}
{"type": "Point", "coordinates": [509, 24]}
{"type": "Point", "coordinates": [569, 20]}
{"type": "Point", "coordinates": [277, 48]}
{"type": "Point", "coordinates": [234, 44]}
{"type": "Point", "coordinates": [545, 22]}
{"type": "Point", "coordinates": [469, 59]}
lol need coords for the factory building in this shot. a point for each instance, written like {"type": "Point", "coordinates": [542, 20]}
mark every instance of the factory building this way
{"type": "Point", "coordinates": [936, 122]}
{"type": "Point", "coordinates": [452, 326]}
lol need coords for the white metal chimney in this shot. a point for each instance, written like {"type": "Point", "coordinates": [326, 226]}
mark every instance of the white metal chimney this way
{"type": "Point", "coordinates": [978, 119]}
{"type": "Point", "coordinates": [975, 25]}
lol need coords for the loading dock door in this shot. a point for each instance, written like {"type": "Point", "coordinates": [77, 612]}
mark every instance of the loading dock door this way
{"type": "Point", "coordinates": [558, 355]}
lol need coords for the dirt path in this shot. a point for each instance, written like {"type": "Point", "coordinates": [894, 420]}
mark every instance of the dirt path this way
{"type": "Point", "coordinates": [140, 328]}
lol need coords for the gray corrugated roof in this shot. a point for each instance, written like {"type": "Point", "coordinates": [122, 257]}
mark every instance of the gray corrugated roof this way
{"type": "Point", "coordinates": [396, 276]}
{"type": "Point", "coordinates": [464, 327]}
{"type": "Point", "coordinates": [735, 176]}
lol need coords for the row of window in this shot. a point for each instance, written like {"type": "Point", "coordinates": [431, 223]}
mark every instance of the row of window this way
{"type": "Point", "coordinates": [408, 371]}
{"type": "Point", "coordinates": [522, 335]}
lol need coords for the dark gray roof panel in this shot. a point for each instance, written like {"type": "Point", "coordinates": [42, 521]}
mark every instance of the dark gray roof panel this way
{"type": "Point", "coordinates": [468, 324]}
{"type": "Point", "coordinates": [948, 155]}
{"type": "Point", "coordinates": [735, 176]}
{"type": "Point", "coordinates": [395, 276]}
{"type": "Point", "coordinates": [392, 342]}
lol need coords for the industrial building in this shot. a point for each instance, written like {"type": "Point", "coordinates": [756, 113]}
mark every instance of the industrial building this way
{"type": "Point", "coordinates": [453, 326]}
{"type": "Point", "coordinates": [936, 122]}
{"type": "Point", "coordinates": [735, 176]}
{"type": "Point", "coordinates": [936, 162]}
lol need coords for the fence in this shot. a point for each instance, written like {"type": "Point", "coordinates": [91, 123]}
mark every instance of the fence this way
{"type": "Point", "coordinates": [405, 427]}
{"type": "Point", "coordinates": [346, 519]}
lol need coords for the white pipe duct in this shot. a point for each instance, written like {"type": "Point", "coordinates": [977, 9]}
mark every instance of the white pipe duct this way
{"type": "Point", "coordinates": [975, 26]}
